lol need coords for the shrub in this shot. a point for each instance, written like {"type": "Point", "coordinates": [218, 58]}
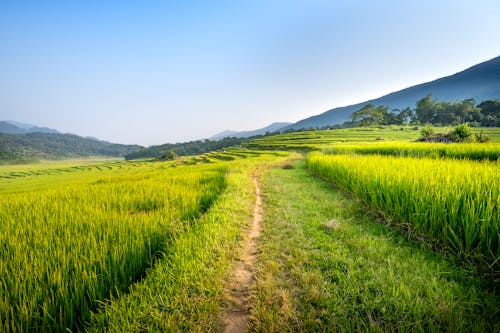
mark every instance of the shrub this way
{"type": "Point", "coordinates": [462, 133]}
{"type": "Point", "coordinates": [481, 137]}
{"type": "Point", "coordinates": [427, 131]}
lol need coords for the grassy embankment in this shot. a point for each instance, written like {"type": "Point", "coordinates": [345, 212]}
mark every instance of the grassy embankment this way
{"type": "Point", "coordinates": [327, 265]}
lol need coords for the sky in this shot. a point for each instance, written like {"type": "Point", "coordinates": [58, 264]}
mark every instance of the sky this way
{"type": "Point", "coordinates": [152, 72]}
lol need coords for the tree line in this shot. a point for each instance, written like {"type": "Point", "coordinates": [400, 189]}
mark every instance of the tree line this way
{"type": "Point", "coordinates": [170, 150]}
{"type": "Point", "coordinates": [431, 111]}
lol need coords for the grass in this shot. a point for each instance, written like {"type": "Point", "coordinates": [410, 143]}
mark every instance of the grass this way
{"type": "Point", "coordinates": [150, 246]}
{"type": "Point", "coordinates": [72, 246]}
{"type": "Point", "coordinates": [353, 274]}
{"type": "Point", "coordinates": [57, 174]}
{"type": "Point", "coordinates": [184, 291]}
{"type": "Point", "coordinates": [472, 151]}
{"type": "Point", "coordinates": [82, 238]}
{"type": "Point", "coordinates": [451, 203]}
{"type": "Point", "coordinates": [323, 139]}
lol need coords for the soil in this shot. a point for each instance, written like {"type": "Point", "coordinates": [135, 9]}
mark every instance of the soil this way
{"type": "Point", "coordinates": [238, 294]}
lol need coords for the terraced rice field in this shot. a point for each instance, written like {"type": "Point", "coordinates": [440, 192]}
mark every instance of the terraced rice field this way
{"type": "Point", "coordinates": [410, 242]}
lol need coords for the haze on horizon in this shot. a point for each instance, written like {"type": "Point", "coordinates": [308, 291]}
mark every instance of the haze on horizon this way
{"type": "Point", "coordinates": [151, 72]}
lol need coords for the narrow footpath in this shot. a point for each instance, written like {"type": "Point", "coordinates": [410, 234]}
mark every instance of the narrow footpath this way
{"type": "Point", "coordinates": [238, 313]}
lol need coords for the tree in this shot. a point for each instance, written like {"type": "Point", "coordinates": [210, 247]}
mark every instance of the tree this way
{"type": "Point", "coordinates": [369, 115]}
{"type": "Point", "coordinates": [466, 111]}
{"type": "Point", "coordinates": [426, 110]}
{"type": "Point", "coordinates": [169, 156]}
{"type": "Point", "coordinates": [490, 110]}
{"type": "Point", "coordinates": [403, 117]}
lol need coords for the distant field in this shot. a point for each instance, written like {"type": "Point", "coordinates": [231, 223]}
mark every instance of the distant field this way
{"type": "Point", "coordinates": [471, 151]}
{"type": "Point", "coordinates": [317, 140]}
{"type": "Point", "coordinates": [28, 177]}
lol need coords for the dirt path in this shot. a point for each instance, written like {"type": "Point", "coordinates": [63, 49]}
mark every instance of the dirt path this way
{"type": "Point", "coordinates": [238, 312]}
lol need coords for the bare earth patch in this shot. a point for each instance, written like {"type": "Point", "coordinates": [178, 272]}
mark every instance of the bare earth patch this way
{"type": "Point", "coordinates": [238, 294]}
{"type": "Point", "coordinates": [332, 224]}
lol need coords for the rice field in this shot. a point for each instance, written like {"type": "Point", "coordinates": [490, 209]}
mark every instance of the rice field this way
{"type": "Point", "coordinates": [324, 139]}
{"type": "Point", "coordinates": [472, 151]}
{"type": "Point", "coordinates": [65, 248]}
{"type": "Point", "coordinates": [449, 203]}
{"type": "Point", "coordinates": [91, 245]}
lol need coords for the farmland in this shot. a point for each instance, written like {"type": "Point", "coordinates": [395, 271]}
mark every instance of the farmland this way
{"type": "Point", "coordinates": [453, 203]}
{"type": "Point", "coordinates": [322, 139]}
{"type": "Point", "coordinates": [370, 231]}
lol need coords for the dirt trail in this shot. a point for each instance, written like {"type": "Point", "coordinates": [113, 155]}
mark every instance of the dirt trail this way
{"type": "Point", "coordinates": [238, 312]}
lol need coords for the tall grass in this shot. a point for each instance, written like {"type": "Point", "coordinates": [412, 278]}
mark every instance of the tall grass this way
{"type": "Point", "coordinates": [64, 249]}
{"type": "Point", "coordinates": [472, 151]}
{"type": "Point", "coordinates": [452, 203]}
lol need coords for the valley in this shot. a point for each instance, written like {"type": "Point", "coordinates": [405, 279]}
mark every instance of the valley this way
{"type": "Point", "coordinates": [356, 233]}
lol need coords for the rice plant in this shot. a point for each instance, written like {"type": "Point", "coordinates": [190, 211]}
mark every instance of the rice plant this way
{"type": "Point", "coordinates": [65, 248]}
{"type": "Point", "coordinates": [452, 203]}
{"type": "Point", "coordinates": [471, 151]}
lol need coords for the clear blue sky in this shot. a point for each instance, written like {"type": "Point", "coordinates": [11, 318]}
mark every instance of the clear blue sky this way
{"type": "Point", "coordinates": [151, 72]}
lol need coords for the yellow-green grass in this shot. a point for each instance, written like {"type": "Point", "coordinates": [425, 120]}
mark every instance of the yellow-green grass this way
{"type": "Point", "coordinates": [64, 248]}
{"type": "Point", "coordinates": [451, 203]}
{"type": "Point", "coordinates": [472, 151]}
{"type": "Point", "coordinates": [54, 164]}
{"type": "Point", "coordinates": [317, 140]}
{"type": "Point", "coordinates": [32, 177]}
{"type": "Point", "coordinates": [326, 265]}
{"type": "Point", "coordinates": [184, 291]}
{"type": "Point", "coordinates": [74, 235]}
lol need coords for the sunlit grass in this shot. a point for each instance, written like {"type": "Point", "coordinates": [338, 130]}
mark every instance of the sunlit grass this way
{"type": "Point", "coordinates": [325, 265]}
{"type": "Point", "coordinates": [472, 151]}
{"type": "Point", "coordinates": [453, 204]}
{"type": "Point", "coordinates": [323, 139]}
{"type": "Point", "coordinates": [65, 248]}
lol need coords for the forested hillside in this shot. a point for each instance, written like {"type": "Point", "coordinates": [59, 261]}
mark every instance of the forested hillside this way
{"type": "Point", "coordinates": [19, 147]}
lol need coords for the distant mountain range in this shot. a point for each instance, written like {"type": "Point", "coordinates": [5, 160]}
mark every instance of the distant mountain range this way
{"type": "Point", "coordinates": [21, 142]}
{"type": "Point", "coordinates": [14, 127]}
{"type": "Point", "coordinates": [481, 82]}
{"type": "Point", "coordinates": [274, 127]}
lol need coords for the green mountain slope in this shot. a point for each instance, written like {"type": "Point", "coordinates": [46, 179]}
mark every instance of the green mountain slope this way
{"type": "Point", "coordinates": [481, 82]}
{"type": "Point", "coordinates": [53, 145]}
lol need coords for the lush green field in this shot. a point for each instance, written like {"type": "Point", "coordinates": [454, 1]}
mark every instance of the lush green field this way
{"type": "Point", "coordinates": [72, 246]}
{"type": "Point", "coordinates": [150, 246]}
{"type": "Point", "coordinates": [472, 151]}
{"type": "Point", "coordinates": [453, 203]}
{"type": "Point", "coordinates": [76, 235]}
{"type": "Point", "coordinates": [317, 140]}
{"type": "Point", "coordinates": [185, 291]}
{"type": "Point", "coordinates": [327, 265]}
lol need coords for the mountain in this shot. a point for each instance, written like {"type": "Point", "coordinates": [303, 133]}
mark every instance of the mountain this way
{"type": "Point", "coordinates": [29, 146]}
{"type": "Point", "coordinates": [14, 127]}
{"type": "Point", "coordinates": [5, 127]}
{"type": "Point", "coordinates": [481, 82]}
{"type": "Point", "coordinates": [274, 127]}
{"type": "Point", "coordinates": [224, 134]}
